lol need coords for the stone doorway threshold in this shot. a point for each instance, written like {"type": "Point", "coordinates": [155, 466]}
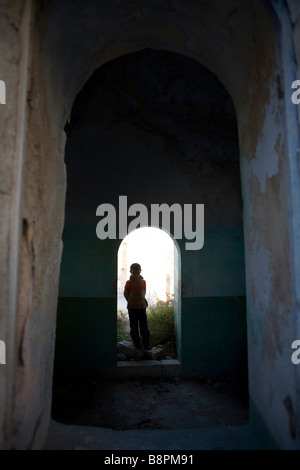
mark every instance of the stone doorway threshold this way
{"type": "Point", "coordinates": [166, 368]}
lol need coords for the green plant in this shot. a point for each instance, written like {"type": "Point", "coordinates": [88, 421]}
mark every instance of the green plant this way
{"type": "Point", "coordinates": [123, 326]}
{"type": "Point", "coordinates": [161, 326]}
{"type": "Point", "coordinates": [161, 322]}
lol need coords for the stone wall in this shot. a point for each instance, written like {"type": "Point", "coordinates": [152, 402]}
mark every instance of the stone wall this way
{"type": "Point", "coordinates": [42, 223]}
{"type": "Point", "coordinates": [14, 60]}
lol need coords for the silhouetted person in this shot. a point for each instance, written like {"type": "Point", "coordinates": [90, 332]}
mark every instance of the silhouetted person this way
{"type": "Point", "coordinates": [134, 293]}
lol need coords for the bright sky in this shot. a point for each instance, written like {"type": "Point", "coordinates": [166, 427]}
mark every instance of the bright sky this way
{"type": "Point", "coordinates": [153, 249]}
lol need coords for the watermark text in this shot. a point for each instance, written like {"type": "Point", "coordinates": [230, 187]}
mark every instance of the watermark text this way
{"type": "Point", "coordinates": [187, 221]}
{"type": "Point", "coordinates": [2, 92]}
{"type": "Point", "coordinates": [296, 354]}
{"type": "Point", "coordinates": [2, 352]}
{"type": "Point", "coordinates": [296, 94]}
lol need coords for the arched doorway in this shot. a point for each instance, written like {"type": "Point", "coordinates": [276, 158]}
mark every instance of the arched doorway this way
{"type": "Point", "coordinates": [159, 258]}
{"type": "Point", "coordinates": [129, 149]}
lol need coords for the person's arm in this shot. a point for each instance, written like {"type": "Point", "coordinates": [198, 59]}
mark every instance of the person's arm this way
{"type": "Point", "coordinates": [126, 291]}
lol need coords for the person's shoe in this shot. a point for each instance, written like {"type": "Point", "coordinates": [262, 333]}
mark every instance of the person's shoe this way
{"type": "Point", "coordinates": [148, 348]}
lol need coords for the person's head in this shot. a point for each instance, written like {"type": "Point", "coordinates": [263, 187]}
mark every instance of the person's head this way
{"type": "Point", "coordinates": [135, 269]}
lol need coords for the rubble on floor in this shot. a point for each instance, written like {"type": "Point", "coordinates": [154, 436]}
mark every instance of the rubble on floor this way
{"type": "Point", "coordinates": [126, 351]}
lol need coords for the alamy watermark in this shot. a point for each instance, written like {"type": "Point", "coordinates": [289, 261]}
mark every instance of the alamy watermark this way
{"type": "Point", "coordinates": [2, 92]}
{"type": "Point", "coordinates": [296, 95]}
{"type": "Point", "coordinates": [2, 352]}
{"type": "Point", "coordinates": [296, 354]}
{"type": "Point", "coordinates": [160, 216]}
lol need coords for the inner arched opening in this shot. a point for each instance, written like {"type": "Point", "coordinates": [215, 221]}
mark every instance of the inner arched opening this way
{"type": "Point", "coordinates": [154, 250]}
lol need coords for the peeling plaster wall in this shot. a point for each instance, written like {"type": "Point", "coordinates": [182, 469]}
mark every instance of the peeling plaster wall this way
{"type": "Point", "coordinates": [238, 41]}
{"type": "Point", "coordinates": [10, 75]}
{"type": "Point", "coordinates": [41, 248]}
{"type": "Point", "coordinates": [270, 324]}
{"type": "Point", "coordinates": [15, 51]}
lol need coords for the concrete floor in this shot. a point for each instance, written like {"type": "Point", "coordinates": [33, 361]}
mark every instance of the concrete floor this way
{"type": "Point", "coordinates": [182, 415]}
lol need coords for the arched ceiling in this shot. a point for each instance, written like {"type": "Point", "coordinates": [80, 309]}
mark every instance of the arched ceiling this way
{"type": "Point", "coordinates": [232, 38]}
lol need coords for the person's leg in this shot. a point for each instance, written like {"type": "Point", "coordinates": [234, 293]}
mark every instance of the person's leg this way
{"type": "Point", "coordinates": [134, 328]}
{"type": "Point", "coordinates": [144, 330]}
